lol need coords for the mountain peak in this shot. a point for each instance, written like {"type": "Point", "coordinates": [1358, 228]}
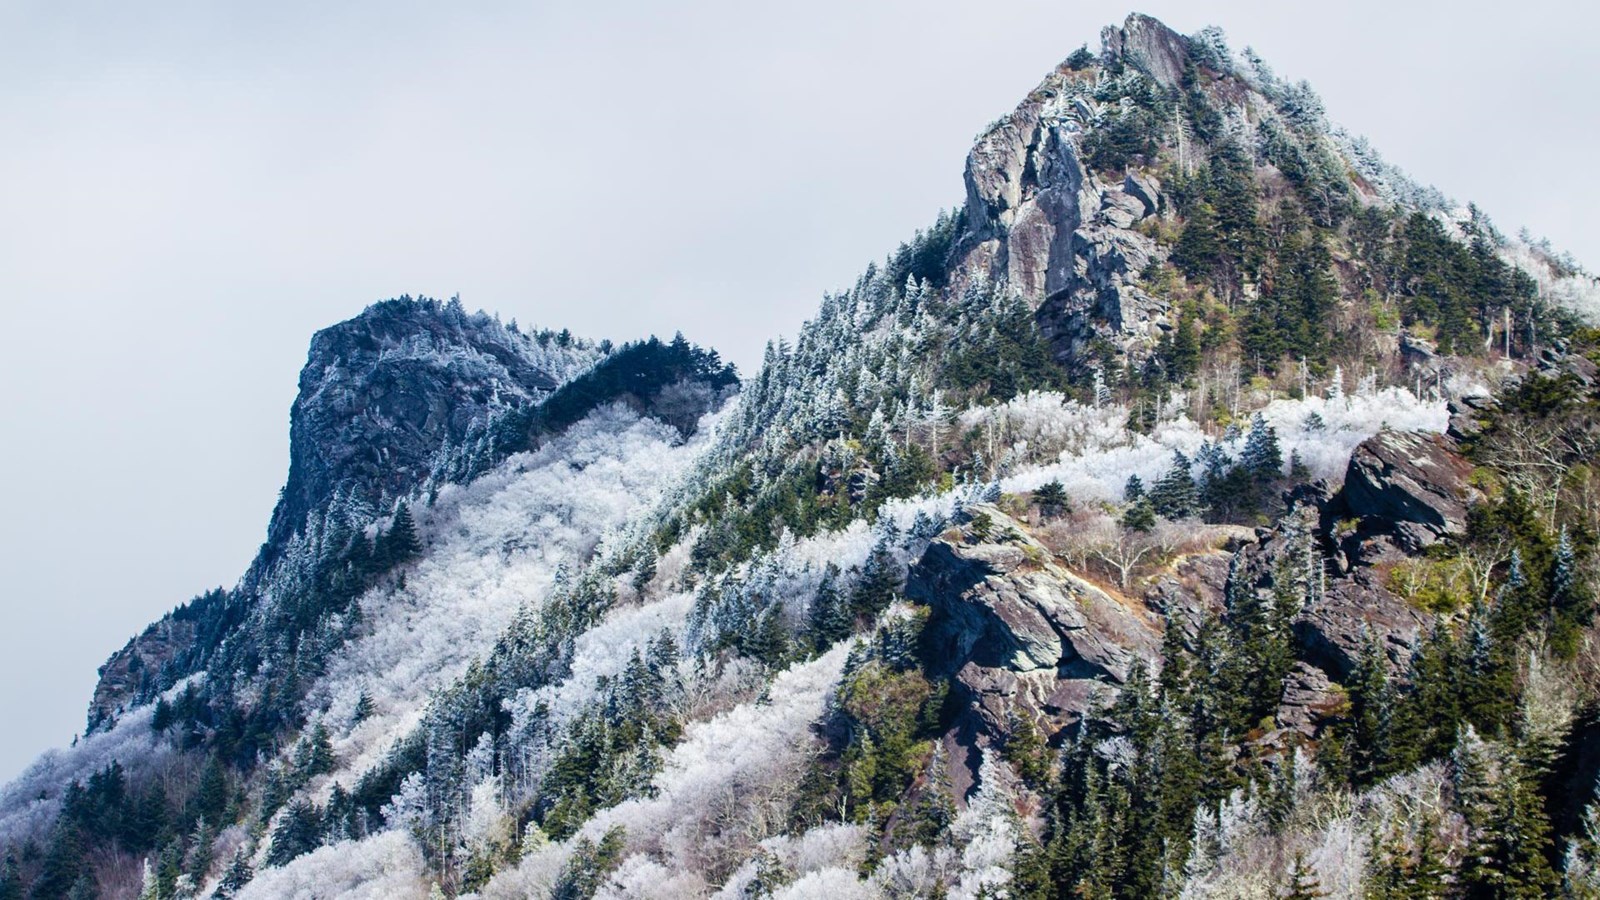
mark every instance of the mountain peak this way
{"type": "Point", "coordinates": [381, 393]}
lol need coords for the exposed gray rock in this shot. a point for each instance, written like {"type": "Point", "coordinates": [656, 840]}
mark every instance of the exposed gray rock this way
{"type": "Point", "coordinates": [381, 393]}
{"type": "Point", "coordinates": [1153, 48]}
{"type": "Point", "coordinates": [1146, 189]}
{"type": "Point", "coordinates": [1120, 209]}
{"type": "Point", "coordinates": [1014, 626]}
{"type": "Point", "coordinates": [1414, 483]}
{"type": "Point", "coordinates": [1308, 696]}
{"type": "Point", "coordinates": [1331, 630]}
{"type": "Point", "coordinates": [1057, 235]}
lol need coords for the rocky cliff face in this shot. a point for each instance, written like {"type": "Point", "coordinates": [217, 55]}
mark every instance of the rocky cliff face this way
{"type": "Point", "coordinates": [1060, 235]}
{"type": "Point", "coordinates": [384, 392]}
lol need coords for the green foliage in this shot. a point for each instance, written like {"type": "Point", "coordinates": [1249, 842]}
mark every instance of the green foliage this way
{"type": "Point", "coordinates": [1080, 59]}
{"type": "Point", "coordinates": [889, 712]}
{"type": "Point", "coordinates": [610, 753]}
{"type": "Point", "coordinates": [1457, 288]}
{"type": "Point", "coordinates": [998, 349]}
{"type": "Point", "coordinates": [1052, 499]}
{"type": "Point", "coordinates": [1130, 137]}
{"type": "Point", "coordinates": [1174, 495]}
{"type": "Point", "coordinates": [299, 831]}
{"type": "Point", "coordinates": [1292, 315]}
{"type": "Point", "coordinates": [589, 865]}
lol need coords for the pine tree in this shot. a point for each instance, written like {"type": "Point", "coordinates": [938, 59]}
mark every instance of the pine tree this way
{"type": "Point", "coordinates": [238, 875]}
{"type": "Point", "coordinates": [1052, 498]}
{"type": "Point", "coordinates": [400, 542]}
{"type": "Point", "coordinates": [1174, 495]}
{"type": "Point", "coordinates": [1303, 881]}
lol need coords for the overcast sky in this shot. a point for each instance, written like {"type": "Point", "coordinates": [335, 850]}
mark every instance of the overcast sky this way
{"type": "Point", "coordinates": [188, 190]}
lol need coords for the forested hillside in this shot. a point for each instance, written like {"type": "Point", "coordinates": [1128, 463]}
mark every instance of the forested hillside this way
{"type": "Point", "coordinates": [1201, 509]}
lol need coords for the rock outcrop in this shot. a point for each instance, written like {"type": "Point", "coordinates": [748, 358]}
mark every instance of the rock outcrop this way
{"type": "Point", "coordinates": [1412, 484]}
{"type": "Point", "coordinates": [1022, 634]}
{"type": "Point", "coordinates": [383, 392]}
{"type": "Point", "coordinates": [1058, 234]}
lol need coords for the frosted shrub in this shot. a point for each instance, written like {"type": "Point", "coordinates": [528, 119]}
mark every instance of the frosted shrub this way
{"type": "Point", "coordinates": [384, 867]}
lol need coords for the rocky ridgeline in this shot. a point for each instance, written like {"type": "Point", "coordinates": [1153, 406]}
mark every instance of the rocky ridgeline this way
{"type": "Point", "coordinates": [1023, 635]}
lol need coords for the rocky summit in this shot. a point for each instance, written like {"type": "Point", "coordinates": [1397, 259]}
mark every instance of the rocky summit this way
{"type": "Point", "coordinates": [1203, 508]}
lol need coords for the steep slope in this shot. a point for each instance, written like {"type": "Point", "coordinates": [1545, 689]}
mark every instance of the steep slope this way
{"type": "Point", "coordinates": [1059, 556]}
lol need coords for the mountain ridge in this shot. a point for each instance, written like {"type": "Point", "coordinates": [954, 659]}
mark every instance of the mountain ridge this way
{"type": "Point", "coordinates": [1059, 554]}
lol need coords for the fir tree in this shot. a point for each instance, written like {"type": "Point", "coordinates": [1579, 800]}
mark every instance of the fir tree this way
{"type": "Point", "coordinates": [1303, 881]}
{"type": "Point", "coordinates": [400, 542]}
{"type": "Point", "coordinates": [1052, 499]}
{"type": "Point", "coordinates": [299, 831]}
{"type": "Point", "coordinates": [1262, 457]}
{"type": "Point", "coordinates": [364, 708]}
{"type": "Point", "coordinates": [1174, 495]}
{"type": "Point", "coordinates": [237, 876]}
{"type": "Point", "coordinates": [11, 879]}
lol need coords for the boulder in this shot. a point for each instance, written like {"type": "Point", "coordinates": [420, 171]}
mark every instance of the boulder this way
{"type": "Point", "coordinates": [1144, 188]}
{"type": "Point", "coordinates": [1413, 484]}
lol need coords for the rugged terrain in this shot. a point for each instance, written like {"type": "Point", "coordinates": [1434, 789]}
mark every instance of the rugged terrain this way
{"type": "Point", "coordinates": [1203, 509]}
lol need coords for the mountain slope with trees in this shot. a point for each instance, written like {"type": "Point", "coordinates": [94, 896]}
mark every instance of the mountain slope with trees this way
{"type": "Point", "coordinates": [1202, 509]}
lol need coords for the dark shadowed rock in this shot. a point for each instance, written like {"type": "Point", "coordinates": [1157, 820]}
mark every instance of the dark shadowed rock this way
{"type": "Point", "coordinates": [383, 392]}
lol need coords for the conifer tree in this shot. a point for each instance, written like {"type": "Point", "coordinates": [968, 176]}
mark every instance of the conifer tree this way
{"type": "Point", "coordinates": [1571, 607]}
{"type": "Point", "coordinates": [1262, 457]}
{"type": "Point", "coordinates": [237, 876]}
{"type": "Point", "coordinates": [298, 832]}
{"type": "Point", "coordinates": [1303, 881]}
{"type": "Point", "coordinates": [1369, 712]}
{"type": "Point", "coordinates": [400, 542]}
{"type": "Point", "coordinates": [1052, 498]}
{"type": "Point", "coordinates": [11, 879]}
{"type": "Point", "coordinates": [1174, 495]}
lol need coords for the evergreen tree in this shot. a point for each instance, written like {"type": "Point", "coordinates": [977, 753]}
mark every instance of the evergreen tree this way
{"type": "Point", "coordinates": [11, 879]}
{"type": "Point", "coordinates": [1571, 607]}
{"type": "Point", "coordinates": [1262, 457]}
{"type": "Point", "coordinates": [828, 618]}
{"type": "Point", "coordinates": [63, 863]}
{"type": "Point", "coordinates": [364, 708]}
{"type": "Point", "coordinates": [1509, 857]}
{"type": "Point", "coordinates": [1052, 498]}
{"type": "Point", "coordinates": [1140, 516]}
{"type": "Point", "coordinates": [1199, 248]}
{"type": "Point", "coordinates": [237, 876]}
{"type": "Point", "coordinates": [1174, 495]}
{"type": "Point", "coordinates": [298, 832]}
{"type": "Point", "coordinates": [400, 542]}
{"type": "Point", "coordinates": [1370, 707]}
{"type": "Point", "coordinates": [1303, 881]}
{"type": "Point", "coordinates": [878, 585]}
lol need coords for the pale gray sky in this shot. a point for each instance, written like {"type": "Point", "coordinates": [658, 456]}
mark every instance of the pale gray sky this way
{"type": "Point", "coordinates": [188, 190]}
